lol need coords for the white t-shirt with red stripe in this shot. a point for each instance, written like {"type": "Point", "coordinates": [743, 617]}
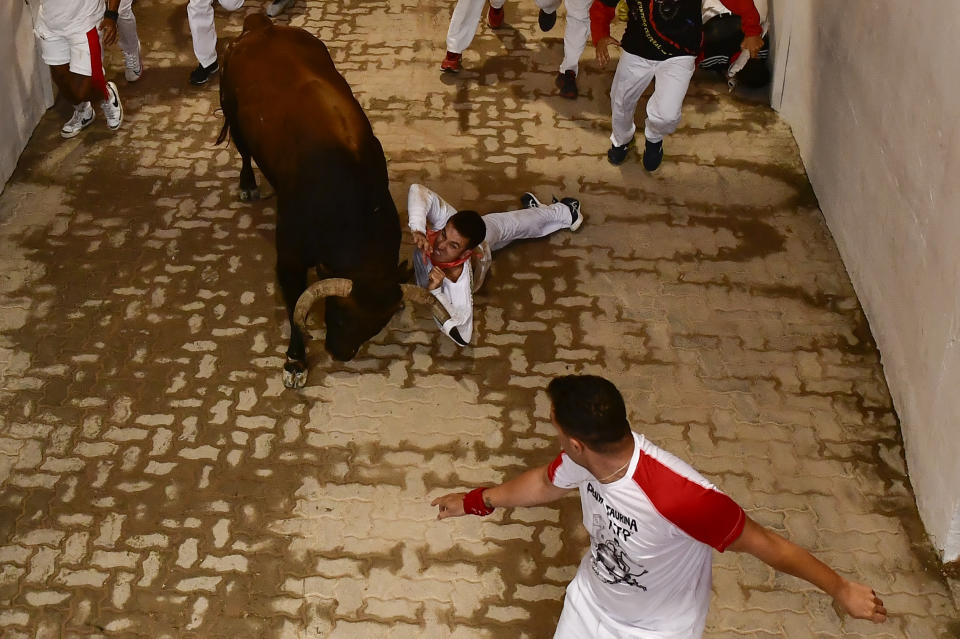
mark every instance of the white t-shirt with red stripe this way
{"type": "Point", "coordinates": [69, 17]}
{"type": "Point", "coordinates": [652, 536]}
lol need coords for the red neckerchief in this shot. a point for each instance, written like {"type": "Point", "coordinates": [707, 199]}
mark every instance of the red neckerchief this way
{"type": "Point", "coordinates": [431, 239]}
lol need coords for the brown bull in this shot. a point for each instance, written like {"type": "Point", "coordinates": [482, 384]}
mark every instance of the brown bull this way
{"type": "Point", "coordinates": [287, 107]}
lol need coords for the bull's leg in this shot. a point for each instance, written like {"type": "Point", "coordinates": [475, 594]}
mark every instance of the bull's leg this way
{"type": "Point", "coordinates": [248, 181]}
{"type": "Point", "coordinates": [293, 281]}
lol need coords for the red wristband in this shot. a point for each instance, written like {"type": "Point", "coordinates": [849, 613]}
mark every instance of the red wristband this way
{"type": "Point", "coordinates": [473, 503]}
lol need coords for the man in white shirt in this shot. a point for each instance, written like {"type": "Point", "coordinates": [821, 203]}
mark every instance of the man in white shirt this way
{"type": "Point", "coordinates": [69, 32]}
{"type": "Point", "coordinates": [454, 249]}
{"type": "Point", "coordinates": [653, 523]}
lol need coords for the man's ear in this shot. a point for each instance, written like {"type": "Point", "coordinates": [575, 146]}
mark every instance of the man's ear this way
{"type": "Point", "coordinates": [577, 445]}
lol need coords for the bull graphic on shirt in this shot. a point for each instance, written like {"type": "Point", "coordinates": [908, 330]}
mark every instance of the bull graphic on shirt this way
{"type": "Point", "coordinates": [609, 561]}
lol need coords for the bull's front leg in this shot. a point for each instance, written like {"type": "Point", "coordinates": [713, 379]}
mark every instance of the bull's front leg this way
{"type": "Point", "coordinates": [293, 281]}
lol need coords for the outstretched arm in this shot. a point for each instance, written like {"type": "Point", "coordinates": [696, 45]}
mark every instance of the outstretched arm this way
{"type": "Point", "coordinates": [856, 599]}
{"type": "Point", "coordinates": [531, 488]}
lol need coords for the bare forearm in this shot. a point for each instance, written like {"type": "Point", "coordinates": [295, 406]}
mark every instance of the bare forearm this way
{"type": "Point", "coordinates": [857, 599]}
{"type": "Point", "coordinates": [786, 556]}
{"type": "Point", "coordinates": [531, 488]}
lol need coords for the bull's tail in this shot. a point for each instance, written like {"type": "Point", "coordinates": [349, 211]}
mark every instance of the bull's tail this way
{"type": "Point", "coordinates": [225, 131]}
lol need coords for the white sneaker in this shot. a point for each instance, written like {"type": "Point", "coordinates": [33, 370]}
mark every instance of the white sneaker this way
{"type": "Point", "coordinates": [277, 7]}
{"type": "Point", "coordinates": [112, 109]}
{"type": "Point", "coordinates": [134, 65]}
{"type": "Point", "coordinates": [82, 117]}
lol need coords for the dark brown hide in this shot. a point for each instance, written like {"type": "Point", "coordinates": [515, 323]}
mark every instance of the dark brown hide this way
{"type": "Point", "coordinates": [286, 107]}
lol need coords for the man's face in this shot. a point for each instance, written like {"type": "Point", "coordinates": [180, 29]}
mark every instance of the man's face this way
{"type": "Point", "coordinates": [449, 246]}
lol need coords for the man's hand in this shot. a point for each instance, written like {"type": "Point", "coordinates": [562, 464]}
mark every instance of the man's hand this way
{"type": "Point", "coordinates": [436, 278]}
{"type": "Point", "coordinates": [753, 44]}
{"type": "Point", "coordinates": [108, 31]}
{"type": "Point", "coordinates": [603, 49]}
{"type": "Point", "coordinates": [861, 602]}
{"type": "Point", "coordinates": [450, 505]}
{"type": "Point", "coordinates": [421, 242]}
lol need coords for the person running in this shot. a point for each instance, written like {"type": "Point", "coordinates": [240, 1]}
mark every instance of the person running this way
{"type": "Point", "coordinates": [466, 18]}
{"type": "Point", "coordinates": [129, 41]}
{"type": "Point", "coordinates": [203, 31]}
{"type": "Point", "coordinates": [662, 41]}
{"type": "Point", "coordinates": [653, 521]}
{"type": "Point", "coordinates": [71, 35]}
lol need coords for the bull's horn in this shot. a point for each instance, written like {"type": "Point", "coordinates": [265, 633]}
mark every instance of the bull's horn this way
{"type": "Point", "coordinates": [336, 286]}
{"type": "Point", "coordinates": [414, 293]}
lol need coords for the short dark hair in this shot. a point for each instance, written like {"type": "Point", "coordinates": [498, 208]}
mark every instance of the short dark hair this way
{"type": "Point", "coordinates": [590, 409]}
{"type": "Point", "coordinates": [470, 225]}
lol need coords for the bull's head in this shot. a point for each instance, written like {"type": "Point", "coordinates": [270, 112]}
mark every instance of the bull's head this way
{"type": "Point", "coordinates": [358, 311]}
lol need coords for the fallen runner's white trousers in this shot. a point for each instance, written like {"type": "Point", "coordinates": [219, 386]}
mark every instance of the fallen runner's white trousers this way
{"type": "Point", "coordinates": [467, 14]}
{"type": "Point", "coordinates": [202, 28]}
{"type": "Point", "coordinates": [633, 76]}
{"type": "Point", "coordinates": [503, 228]}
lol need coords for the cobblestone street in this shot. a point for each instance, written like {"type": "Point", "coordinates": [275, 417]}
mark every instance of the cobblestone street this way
{"type": "Point", "coordinates": [157, 479]}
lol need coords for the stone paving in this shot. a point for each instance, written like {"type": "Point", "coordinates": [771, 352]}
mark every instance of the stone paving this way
{"type": "Point", "coordinates": [157, 480]}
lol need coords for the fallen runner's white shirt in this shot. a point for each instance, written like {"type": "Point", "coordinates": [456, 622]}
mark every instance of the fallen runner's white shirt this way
{"type": "Point", "coordinates": [426, 207]}
{"type": "Point", "coordinates": [652, 535]}
{"type": "Point", "coordinates": [68, 17]}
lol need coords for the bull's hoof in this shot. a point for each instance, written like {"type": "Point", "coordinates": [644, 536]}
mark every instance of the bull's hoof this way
{"type": "Point", "coordinates": [294, 374]}
{"type": "Point", "coordinates": [249, 195]}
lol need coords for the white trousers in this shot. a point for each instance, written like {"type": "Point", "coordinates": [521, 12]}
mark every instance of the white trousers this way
{"type": "Point", "coordinates": [582, 618]}
{"type": "Point", "coordinates": [467, 14]}
{"type": "Point", "coordinates": [202, 28]}
{"type": "Point", "coordinates": [663, 108]}
{"type": "Point", "coordinates": [465, 21]}
{"type": "Point", "coordinates": [503, 228]}
{"type": "Point", "coordinates": [127, 29]}
{"type": "Point", "coordinates": [575, 33]}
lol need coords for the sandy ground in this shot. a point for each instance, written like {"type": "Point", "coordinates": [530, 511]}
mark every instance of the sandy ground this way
{"type": "Point", "coordinates": [157, 480]}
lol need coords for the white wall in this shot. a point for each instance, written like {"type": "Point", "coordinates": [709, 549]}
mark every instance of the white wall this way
{"type": "Point", "coordinates": [25, 88]}
{"type": "Point", "coordinates": [871, 91]}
